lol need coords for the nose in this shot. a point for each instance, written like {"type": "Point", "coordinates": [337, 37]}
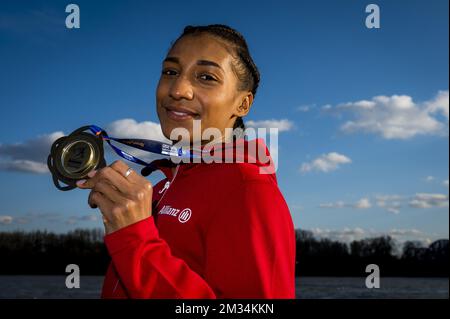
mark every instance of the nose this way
{"type": "Point", "coordinates": [181, 88]}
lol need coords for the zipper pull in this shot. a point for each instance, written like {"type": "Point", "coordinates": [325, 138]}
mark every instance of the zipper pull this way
{"type": "Point", "coordinates": [166, 186]}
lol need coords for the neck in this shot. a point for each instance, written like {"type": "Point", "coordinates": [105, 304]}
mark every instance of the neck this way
{"type": "Point", "coordinates": [224, 138]}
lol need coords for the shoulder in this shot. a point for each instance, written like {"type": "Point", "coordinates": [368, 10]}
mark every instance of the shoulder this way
{"type": "Point", "coordinates": [250, 199]}
{"type": "Point", "coordinates": [245, 183]}
{"type": "Point", "coordinates": [239, 173]}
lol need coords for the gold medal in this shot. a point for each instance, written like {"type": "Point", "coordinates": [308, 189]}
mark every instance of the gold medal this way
{"type": "Point", "coordinates": [73, 157]}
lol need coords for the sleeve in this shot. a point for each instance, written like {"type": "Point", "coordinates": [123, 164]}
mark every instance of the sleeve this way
{"type": "Point", "coordinates": [146, 267]}
{"type": "Point", "coordinates": [250, 253]}
{"type": "Point", "coordinates": [251, 245]}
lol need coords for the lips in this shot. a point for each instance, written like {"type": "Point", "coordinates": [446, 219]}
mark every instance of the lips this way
{"type": "Point", "coordinates": [179, 113]}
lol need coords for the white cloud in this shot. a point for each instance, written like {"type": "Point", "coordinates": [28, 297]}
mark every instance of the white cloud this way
{"type": "Point", "coordinates": [384, 198]}
{"type": "Point", "coordinates": [338, 204]}
{"type": "Point", "coordinates": [305, 108]}
{"type": "Point", "coordinates": [326, 163]}
{"type": "Point", "coordinates": [38, 216]}
{"type": "Point", "coordinates": [363, 203]}
{"type": "Point", "coordinates": [445, 183]}
{"type": "Point", "coordinates": [425, 200]}
{"type": "Point", "coordinates": [31, 156]}
{"type": "Point", "coordinates": [282, 125]}
{"type": "Point", "coordinates": [348, 235]}
{"type": "Point", "coordinates": [440, 104]}
{"type": "Point", "coordinates": [429, 178]}
{"type": "Point", "coordinates": [393, 210]}
{"type": "Point", "coordinates": [129, 128]}
{"type": "Point", "coordinates": [24, 166]}
{"type": "Point", "coordinates": [404, 232]}
{"type": "Point", "coordinates": [392, 203]}
{"type": "Point", "coordinates": [397, 116]}
{"type": "Point", "coordinates": [73, 220]}
{"type": "Point", "coordinates": [36, 149]}
{"type": "Point", "coordinates": [5, 220]}
{"type": "Point", "coordinates": [48, 217]}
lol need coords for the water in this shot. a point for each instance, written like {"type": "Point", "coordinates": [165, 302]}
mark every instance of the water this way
{"type": "Point", "coordinates": [355, 288]}
{"type": "Point", "coordinates": [44, 287]}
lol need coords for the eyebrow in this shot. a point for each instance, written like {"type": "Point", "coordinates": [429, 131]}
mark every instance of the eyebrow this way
{"type": "Point", "coordinates": [199, 62]}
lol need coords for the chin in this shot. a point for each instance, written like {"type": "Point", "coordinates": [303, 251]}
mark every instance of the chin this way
{"type": "Point", "coordinates": [167, 129]}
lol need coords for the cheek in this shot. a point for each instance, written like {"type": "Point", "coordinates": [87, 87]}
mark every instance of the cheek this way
{"type": "Point", "coordinates": [161, 92]}
{"type": "Point", "coordinates": [217, 110]}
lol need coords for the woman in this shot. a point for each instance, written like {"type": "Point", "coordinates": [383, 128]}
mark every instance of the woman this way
{"type": "Point", "coordinates": [215, 230]}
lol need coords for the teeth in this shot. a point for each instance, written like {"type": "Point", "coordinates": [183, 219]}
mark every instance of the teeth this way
{"type": "Point", "coordinates": [179, 113]}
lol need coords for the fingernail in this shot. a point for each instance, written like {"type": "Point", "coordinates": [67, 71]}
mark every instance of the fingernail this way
{"type": "Point", "coordinates": [92, 173]}
{"type": "Point", "coordinates": [81, 182]}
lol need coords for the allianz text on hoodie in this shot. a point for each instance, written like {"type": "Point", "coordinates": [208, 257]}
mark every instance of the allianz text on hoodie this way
{"type": "Point", "coordinates": [217, 230]}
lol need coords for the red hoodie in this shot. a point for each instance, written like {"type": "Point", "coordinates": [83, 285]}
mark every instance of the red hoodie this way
{"type": "Point", "coordinates": [217, 230]}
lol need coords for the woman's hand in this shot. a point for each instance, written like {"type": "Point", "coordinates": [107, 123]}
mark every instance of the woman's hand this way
{"type": "Point", "coordinates": [122, 200]}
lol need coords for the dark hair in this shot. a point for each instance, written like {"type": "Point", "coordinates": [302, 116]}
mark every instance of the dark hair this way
{"type": "Point", "coordinates": [245, 68]}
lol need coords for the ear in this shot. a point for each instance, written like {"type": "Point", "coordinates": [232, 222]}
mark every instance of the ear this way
{"type": "Point", "coordinates": [243, 109]}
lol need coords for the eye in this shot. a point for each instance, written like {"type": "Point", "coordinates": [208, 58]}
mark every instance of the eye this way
{"type": "Point", "coordinates": [168, 72]}
{"type": "Point", "coordinates": [207, 77]}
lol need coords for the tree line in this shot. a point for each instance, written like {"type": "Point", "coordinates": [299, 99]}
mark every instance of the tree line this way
{"type": "Point", "coordinates": [47, 253]}
{"type": "Point", "coordinates": [325, 257]}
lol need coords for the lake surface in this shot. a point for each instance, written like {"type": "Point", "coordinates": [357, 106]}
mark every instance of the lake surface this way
{"type": "Point", "coordinates": [50, 287]}
{"type": "Point", "coordinates": [355, 288]}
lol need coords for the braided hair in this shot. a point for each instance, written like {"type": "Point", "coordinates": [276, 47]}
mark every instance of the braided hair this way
{"type": "Point", "coordinates": [243, 65]}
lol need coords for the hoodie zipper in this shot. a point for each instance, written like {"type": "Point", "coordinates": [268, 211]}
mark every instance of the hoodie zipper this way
{"type": "Point", "coordinates": [173, 178]}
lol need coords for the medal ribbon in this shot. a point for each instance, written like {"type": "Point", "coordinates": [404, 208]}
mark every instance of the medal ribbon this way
{"type": "Point", "coordinates": [145, 145]}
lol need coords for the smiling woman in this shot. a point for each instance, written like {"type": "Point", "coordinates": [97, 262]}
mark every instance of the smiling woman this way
{"type": "Point", "coordinates": [217, 230]}
{"type": "Point", "coordinates": [214, 63]}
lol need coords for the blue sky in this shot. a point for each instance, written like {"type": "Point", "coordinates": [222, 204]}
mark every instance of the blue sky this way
{"type": "Point", "coordinates": [363, 113]}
